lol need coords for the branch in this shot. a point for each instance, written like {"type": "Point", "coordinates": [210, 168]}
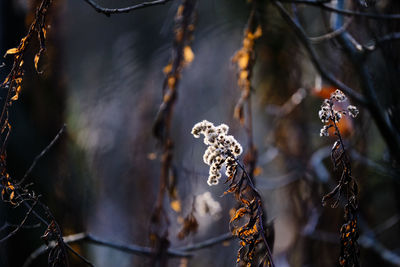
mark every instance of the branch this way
{"type": "Point", "coordinates": [86, 237]}
{"type": "Point", "coordinates": [21, 224]}
{"type": "Point", "coordinates": [357, 97]}
{"type": "Point", "coordinates": [394, 36]}
{"type": "Point", "coordinates": [346, 12]}
{"type": "Point", "coordinates": [331, 34]}
{"type": "Point", "coordinates": [42, 154]}
{"type": "Point", "coordinates": [208, 243]}
{"type": "Point", "coordinates": [108, 11]}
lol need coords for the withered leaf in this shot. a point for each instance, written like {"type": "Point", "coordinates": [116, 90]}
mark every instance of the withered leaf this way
{"type": "Point", "coordinates": [239, 214]}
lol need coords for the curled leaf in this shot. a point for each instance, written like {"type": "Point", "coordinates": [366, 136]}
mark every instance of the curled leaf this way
{"type": "Point", "coordinates": [188, 54]}
{"type": "Point", "coordinates": [239, 214]}
{"type": "Point", "coordinates": [12, 51]}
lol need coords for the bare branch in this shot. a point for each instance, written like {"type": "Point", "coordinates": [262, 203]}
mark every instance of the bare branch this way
{"type": "Point", "coordinates": [374, 44]}
{"type": "Point", "coordinates": [208, 243]}
{"type": "Point", "coordinates": [330, 35]}
{"type": "Point", "coordinates": [79, 255]}
{"type": "Point", "coordinates": [346, 12]}
{"type": "Point", "coordinates": [108, 11]}
{"type": "Point", "coordinates": [21, 224]}
{"type": "Point", "coordinates": [47, 148]}
{"type": "Point", "coordinates": [85, 237]}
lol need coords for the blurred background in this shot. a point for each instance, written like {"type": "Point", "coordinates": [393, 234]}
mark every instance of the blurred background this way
{"type": "Point", "coordinates": [103, 78]}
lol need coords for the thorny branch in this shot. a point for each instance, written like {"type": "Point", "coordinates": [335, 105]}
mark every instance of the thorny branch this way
{"type": "Point", "coordinates": [108, 11]}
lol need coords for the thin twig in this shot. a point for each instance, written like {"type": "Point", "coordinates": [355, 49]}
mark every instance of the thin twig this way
{"type": "Point", "coordinates": [180, 252]}
{"type": "Point", "coordinates": [21, 224]}
{"type": "Point", "coordinates": [108, 11]}
{"type": "Point", "coordinates": [78, 255]}
{"type": "Point", "coordinates": [38, 157]}
{"type": "Point", "coordinates": [208, 243]}
{"type": "Point", "coordinates": [330, 35]}
{"type": "Point", "coordinates": [394, 36]}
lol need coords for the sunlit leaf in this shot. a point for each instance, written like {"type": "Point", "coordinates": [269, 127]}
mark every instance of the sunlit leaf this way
{"type": "Point", "coordinates": [239, 214]}
{"type": "Point", "coordinates": [12, 51]}
{"type": "Point", "coordinates": [176, 205]}
{"type": "Point", "coordinates": [167, 69]}
{"type": "Point", "coordinates": [188, 54]}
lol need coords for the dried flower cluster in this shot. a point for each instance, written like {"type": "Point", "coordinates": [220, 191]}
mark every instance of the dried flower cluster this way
{"type": "Point", "coordinates": [329, 115]}
{"type": "Point", "coordinates": [222, 149]}
{"type": "Point", "coordinates": [347, 186]}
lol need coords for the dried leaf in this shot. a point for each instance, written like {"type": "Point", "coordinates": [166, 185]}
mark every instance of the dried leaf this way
{"type": "Point", "coordinates": [36, 61]}
{"type": "Point", "coordinates": [188, 54]}
{"type": "Point", "coordinates": [239, 214]}
{"type": "Point", "coordinates": [176, 205]}
{"type": "Point", "coordinates": [258, 33]}
{"type": "Point", "coordinates": [167, 69]}
{"type": "Point", "coordinates": [12, 51]}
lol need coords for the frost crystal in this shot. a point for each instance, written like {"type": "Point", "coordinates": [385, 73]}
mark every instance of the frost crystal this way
{"type": "Point", "coordinates": [221, 151]}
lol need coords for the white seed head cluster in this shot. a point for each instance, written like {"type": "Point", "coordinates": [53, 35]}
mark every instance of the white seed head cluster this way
{"type": "Point", "coordinates": [328, 114]}
{"type": "Point", "coordinates": [221, 151]}
{"type": "Point", "coordinates": [339, 96]}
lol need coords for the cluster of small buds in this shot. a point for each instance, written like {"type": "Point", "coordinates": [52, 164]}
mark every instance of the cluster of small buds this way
{"type": "Point", "coordinates": [328, 114]}
{"type": "Point", "coordinates": [222, 149]}
{"type": "Point", "coordinates": [338, 96]}
{"type": "Point", "coordinates": [353, 111]}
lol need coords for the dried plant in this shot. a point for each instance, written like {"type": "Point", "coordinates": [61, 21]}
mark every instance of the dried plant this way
{"type": "Point", "coordinates": [223, 151]}
{"type": "Point", "coordinates": [347, 186]}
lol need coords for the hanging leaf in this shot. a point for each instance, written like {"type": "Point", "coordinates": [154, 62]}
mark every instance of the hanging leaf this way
{"type": "Point", "coordinates": [188, 54]}
{"type": "Point", "coordinates": [239, 214]}
{"type": "Point", "coordinates": [12, 51]}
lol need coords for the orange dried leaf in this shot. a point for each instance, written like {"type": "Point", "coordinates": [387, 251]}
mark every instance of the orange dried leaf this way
{"type": "Point", "coordinates": [188, 54]}
{"type": "Point", "coordinates": [12, 195]}
{"type": "Point", "coordinates": [243, 61]}
{"type": "Point", "coordinates": [167, 69]}
{"type": "Point", "coordinates": [36, 60]}
{"type": "Point", "coordinates": [176, 205]}
{"type": "Point", "coordinates": [239, 214]}
{"type": "Point", "coordinates": [12, 51]}
{"type": "Point", "coordinates": [171, 82]}
{"type": "Point", "coordinates": [257, 171]}
{"type": "Point", "coordinates": [243, 74]}
{"type": "Point", "coordinates": [258, 32]}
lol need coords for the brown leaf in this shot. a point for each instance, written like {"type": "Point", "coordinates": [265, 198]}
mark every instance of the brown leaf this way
{"type": "Point", "coordinates": [239, 214]}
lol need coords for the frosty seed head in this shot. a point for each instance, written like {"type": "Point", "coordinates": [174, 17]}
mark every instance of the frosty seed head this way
{"type": "Point", "coordinates": [221, 150]}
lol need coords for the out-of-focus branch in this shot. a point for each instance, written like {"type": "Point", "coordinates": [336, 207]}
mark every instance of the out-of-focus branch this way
{"type": "Point", "coordinates": [207, 243]}
{"type": "Point", "coordinates": [357, 97]}
{"type": "Point", "coordinates": [394, 36]}
{"type": "Point", "coordinates": [108, 11]}
{"type": "Point", "coordinates": [389, 134]}
{"type": "Point", "coordinates": [346, 12]}
{"type": "Point", "coordinates": [330, 35]}
{"type": "Point", "coordinates": [129, 248]}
